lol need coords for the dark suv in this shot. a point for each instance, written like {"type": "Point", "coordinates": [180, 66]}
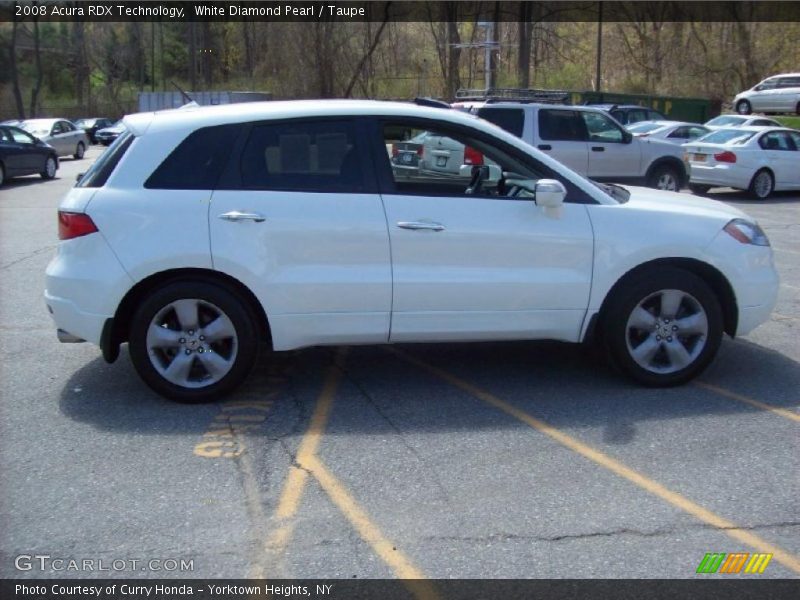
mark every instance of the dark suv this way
{"type": "Point", "coordinates": [631, 113]}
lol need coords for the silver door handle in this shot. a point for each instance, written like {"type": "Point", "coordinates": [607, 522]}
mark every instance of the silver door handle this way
{"type": "Point", "coordinates": [236, 215]}
{"type": "Point", "coordinates": [415, 225]}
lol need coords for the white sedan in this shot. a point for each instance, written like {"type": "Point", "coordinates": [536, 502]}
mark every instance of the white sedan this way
{"type": "Point", "coordinates": [727, 121]}
{"type": "Point", "coordinates": [61, 134]}
{"type": "Point", "coordinates": [673, 132]}
{"type": "Point", "coordinates": [758, 159]}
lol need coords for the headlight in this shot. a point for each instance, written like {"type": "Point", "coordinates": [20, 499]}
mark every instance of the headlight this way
{"type": "Point", "coordinates": [746, 232]}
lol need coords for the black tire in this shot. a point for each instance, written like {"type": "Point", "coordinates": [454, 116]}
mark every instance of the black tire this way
{"type": "Point", "coordinates": [743, 107]}
{"type": "Point", "coordinates": [649, 288]}
{"type": "Point", "coordinates": [666, 177]}
{"type": "Point", "coordinates": [698, 189]}
{"type": "Point", "coordinates": [50, 167]}
{"type": "Point", "coordinates": [762, 185]}
{"type": "Point", "coordinates": [80, 150]}
{"type": "Point", "coordinates": [797, 109]}
{"type": "Point", "coordinates": [2, 174]}
{"type": "Point", "coordinates": [240, 355]}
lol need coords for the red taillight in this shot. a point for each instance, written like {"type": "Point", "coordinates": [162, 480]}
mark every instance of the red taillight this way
{"type": "Point", "coordinates": [395, 151]}
{"type": "Point", "coordinates": [419, 151]}
{"type": "Point", "coordinates": [72, 225]}
{"type": "Point", "coordinates": [727, 156]}
{"type": "Point", "coordinates": [472, 156]}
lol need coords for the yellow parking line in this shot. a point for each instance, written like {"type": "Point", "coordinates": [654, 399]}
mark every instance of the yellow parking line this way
{"type": "Point", "coordinates": [785, 558]}
{"type": "Point", "coordinates": [370, 532]}
{"type": "Point", "coordinates": [293, 488]}
{"type": "Point", "coordinates": [786, 414]}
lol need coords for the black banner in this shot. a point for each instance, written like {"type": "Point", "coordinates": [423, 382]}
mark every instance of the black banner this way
{"type": "Point", "coordinates": [299, 11]}
{"type": "Point", "coordinates": [351, 589]}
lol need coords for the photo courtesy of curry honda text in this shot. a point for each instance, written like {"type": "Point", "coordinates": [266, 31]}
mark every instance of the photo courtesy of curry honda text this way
{"type": "Point", "coordinates": [204, 234]}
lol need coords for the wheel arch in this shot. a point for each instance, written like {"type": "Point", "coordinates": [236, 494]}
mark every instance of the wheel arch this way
{"type": "Point", "coordinates": [718, 283]}
{"type": "Point", "coordinates": [118, 329]}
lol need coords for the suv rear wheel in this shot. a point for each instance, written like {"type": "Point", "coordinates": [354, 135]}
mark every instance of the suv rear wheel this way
{"type": "Point", "coordinates": [193, 341]}
{"type": "Point", "coordinates": [663, 328]}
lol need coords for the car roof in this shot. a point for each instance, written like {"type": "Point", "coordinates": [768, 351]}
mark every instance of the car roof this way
{"type": "Point", "coordinates": [782, 75]}
{"type": "Point", "coordinates": [43, 121]}
{"type": "Point", "coordinates": [668, 123]}
{"type": "Point", "coordinates": [204, 116]}
{"type": "Point", "coordinates": [617, 106]}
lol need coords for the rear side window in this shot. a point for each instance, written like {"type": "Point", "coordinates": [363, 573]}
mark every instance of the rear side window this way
{"type": "Point", "coordinates": [197, 162]}
{"type": "Point", "coordinates": [101, 170]}
{"type": "Point", "coordinates": [317, 156]}
{"type": "Point", "coordinates": [564, 125]}
{"type": "Point", "coordinates": [512, 120]}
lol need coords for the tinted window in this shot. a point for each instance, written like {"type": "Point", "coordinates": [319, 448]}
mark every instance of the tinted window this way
{"type": "Point", "coordinates": [636, 115]}
{"type": "Point", "coordinates": [680, 133]}
{"type": "Point", "coordinates": [776, 140]}
{"type": "Point", "coordinates": [565, 125]}
{"type": "Point", "coordinates": [789, 82]}
{"type": "Point", "coordinates": [439, 159]}
{"type": "Point", "coordinates": [601, 128]}
{"type": "Point", "coordinates": [101, 170]}
{"type": "Point", "coordinates": [796, 139]}
{"type": "Point", "coordinates": [319, 156]}
{"type": "Point", "coordinates": [512, 120]}
{"type": "Point", "coordinates": [197, 162]}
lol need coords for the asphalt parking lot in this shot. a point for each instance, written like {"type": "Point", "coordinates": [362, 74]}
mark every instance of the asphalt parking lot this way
{"type": "Point", "coordinates": [502, 460]}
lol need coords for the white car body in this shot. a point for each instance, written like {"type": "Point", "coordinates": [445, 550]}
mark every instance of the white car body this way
{"type": "Point", "coordinates": [61, 134]}
{"type": "Point", "coordinates": [752, 156]}
{"type": "Point", "coordinates": [365, 268]}
{"type": "Point", "coordinates": [671, 132]}
{"type": "Point", "coordinates": [728, 121]}
{"type": "Point", "coordinates": [609, 153]}
{"type": "Point", "coordinates": [776, 94]}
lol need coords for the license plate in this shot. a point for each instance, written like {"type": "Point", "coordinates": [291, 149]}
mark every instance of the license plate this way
{"type": "Point", "coordinates": [700, 157]}
{"type": "Point", "coordinates": [406, 158]}
{"type": "Point", "coordinates": [441, 161]}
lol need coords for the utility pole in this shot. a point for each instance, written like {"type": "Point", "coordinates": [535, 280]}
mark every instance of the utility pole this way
{"type": "Point", "coordinates": [599, 48]}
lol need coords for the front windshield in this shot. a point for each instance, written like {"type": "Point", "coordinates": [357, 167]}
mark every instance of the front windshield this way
{"type": "Point", "coordinates": [727, 136]}
{"type": "Point", "coordinates": [726, 120]}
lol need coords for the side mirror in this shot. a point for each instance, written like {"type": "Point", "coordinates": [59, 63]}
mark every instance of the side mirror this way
{"type": "Point", "coordinates": [78, 177]}
{"type": "Point", "coordinates": [550, 193]}
{"type": "Point", "coordinates": [627, 137]}
{"type": "Point", "coordinates": [495, 172]}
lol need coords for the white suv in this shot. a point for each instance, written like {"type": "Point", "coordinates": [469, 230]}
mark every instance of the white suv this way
{"type": "Point", "coordinates": [592, 143]}
{"type": "Point", "coordinates": [777, 94]}
{"type": "Point", "coordinates": [202, 233]}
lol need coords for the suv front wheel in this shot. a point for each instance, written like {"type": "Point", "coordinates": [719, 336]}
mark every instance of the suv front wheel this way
{"type": "Point", "coordinates": [193, 341]}
{"type": "Point", "coordinates": [664, 328]}
{"type": "Point", "coordinates": [665, 177]}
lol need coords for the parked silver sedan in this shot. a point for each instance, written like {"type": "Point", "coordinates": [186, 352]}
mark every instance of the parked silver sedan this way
{"type": "Point", "coordinates": [674, 132]}
{"type": "Point", "coordinates": [61, 134]}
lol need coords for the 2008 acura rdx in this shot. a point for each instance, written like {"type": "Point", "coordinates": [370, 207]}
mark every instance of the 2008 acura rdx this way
{"type": "Point", "coordinates": [203, 232]}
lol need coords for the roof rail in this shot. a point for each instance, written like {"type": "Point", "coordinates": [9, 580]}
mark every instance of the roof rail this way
{"type": "Point", "coordinates": [514, 95]}
{"type": "Point", "coordinates": [432, 102]}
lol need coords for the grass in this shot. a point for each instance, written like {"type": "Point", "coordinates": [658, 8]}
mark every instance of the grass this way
{"type": "Point", "coordinates": [789, 121]}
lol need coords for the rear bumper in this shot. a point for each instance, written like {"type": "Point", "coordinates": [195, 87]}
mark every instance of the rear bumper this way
{"type": "Point", "coordinates": [720, 175]}
{"type": "Point", "coordinates": [84, 286]}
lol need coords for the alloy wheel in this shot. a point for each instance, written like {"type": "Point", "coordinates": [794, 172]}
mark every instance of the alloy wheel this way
{"type": "Point", "coordinates": [192, 343]}
{"type": "Point", "coordinates": [666, 331]}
